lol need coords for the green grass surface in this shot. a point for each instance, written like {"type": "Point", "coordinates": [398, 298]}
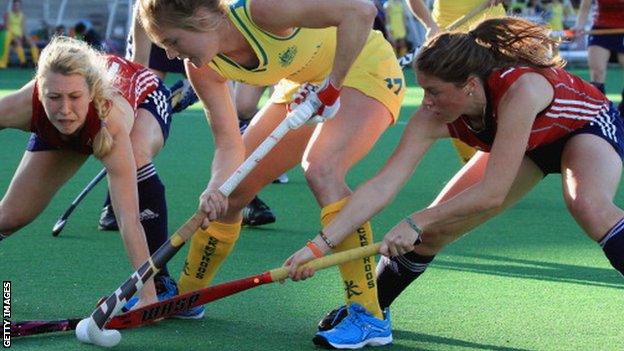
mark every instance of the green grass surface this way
{"type": "Point", "coordinates": [527, 280]}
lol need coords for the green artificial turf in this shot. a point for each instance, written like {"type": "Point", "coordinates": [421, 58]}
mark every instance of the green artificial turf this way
{"type": "Point", "coordinates": [527, 280]}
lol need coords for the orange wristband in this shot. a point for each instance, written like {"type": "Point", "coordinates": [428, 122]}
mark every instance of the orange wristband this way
{"type": "Point", "coordinates": [315, 250]}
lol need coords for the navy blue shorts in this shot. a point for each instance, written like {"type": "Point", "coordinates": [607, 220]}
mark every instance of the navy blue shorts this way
{"type": "Point", "coordinates": [609, 128]}
{"type": "Point", "coordinates": [158, 60]}
{"type": "Point", "coordinates": [612, 42]}
{"type": "Point", "coordinates": [157, 103]}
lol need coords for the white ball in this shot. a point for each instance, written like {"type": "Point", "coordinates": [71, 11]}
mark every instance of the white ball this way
{"type": "Point", "coordinates": [88, 332]}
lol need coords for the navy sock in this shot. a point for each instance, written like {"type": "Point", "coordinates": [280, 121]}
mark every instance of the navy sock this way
{"type": "Point", "coordinates": [153, 209]}
{"type": "Point", "coordinates": [613, 246]}
{"type": "Point", "coordinates": [600, 86]}
{"type": "Point", "coordinates": [395, 274]}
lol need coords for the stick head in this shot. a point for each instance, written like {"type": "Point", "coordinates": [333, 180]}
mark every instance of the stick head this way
{"type": "Point", "coordinates": [88, 332]}
{"type": "Point", "coordinates": [56, 230]}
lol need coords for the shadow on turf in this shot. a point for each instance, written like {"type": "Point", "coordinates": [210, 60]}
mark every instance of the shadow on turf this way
{"type": "Point", "coordinates": [548, 271]}
{"type": "Point", "coordinates": [440, 340]}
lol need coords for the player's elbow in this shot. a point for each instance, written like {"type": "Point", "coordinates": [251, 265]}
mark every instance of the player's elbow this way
{"type": "Point", "coordinates": [364, 10]}
{"type": "Point", "coordinates": [490, 201]}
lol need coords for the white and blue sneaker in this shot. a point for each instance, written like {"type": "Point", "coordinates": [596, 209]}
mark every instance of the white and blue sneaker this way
{"type": "Point", "coordinates": [196, 312]}
{"type": "Point", "coordinates": [358, 329]}
{"type": "Point", "coordinates": [166, 288]}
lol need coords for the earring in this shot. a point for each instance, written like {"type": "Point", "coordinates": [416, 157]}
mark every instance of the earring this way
{"type": "Point", "coordinates": [470, 93]}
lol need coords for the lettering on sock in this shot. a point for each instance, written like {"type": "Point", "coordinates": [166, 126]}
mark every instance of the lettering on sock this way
{"type": "Point", "coordinates": [209, 251]}
{"type": "Point", "coordinates": [368, 265]}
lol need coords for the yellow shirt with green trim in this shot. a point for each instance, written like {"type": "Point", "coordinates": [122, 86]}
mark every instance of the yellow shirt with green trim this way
{"type": "Point", "coordinates": [306, 55]}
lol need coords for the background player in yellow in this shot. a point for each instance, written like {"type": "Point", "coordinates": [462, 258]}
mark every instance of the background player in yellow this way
{"type": "Point", "coordinates": [444, 13]}
{"type": "Point", "coordinates": [289, 42]}
{"type": "Point", "coordinates": [396, 25]}
{"type": "Point", "coordinates": [15, 22]}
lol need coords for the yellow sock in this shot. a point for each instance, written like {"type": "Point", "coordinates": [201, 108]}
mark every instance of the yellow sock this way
{"type": "Point", "coordinates": [207, 251]}
{"type": "Point", "coordinates": [34, 53]}
{"type": "Point", "coordinates": [464, 150]}
{"type": "Point", "coordinates": [358, 276]}
{"type": "Point", "coordinates": [21, 55]}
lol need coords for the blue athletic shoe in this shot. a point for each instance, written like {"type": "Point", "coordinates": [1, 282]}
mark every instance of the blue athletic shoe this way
{"type": "Point", "coordinates": [360, 328]}
{"type": "Point", "coordinates": [182, 96]}
{"type": "Point", "coordinates": [196, 312]}
{"type": "Point", "coordinates": [166, 288]}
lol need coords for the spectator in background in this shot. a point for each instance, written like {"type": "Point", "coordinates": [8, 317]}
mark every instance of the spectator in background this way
{"type": "Point", "coordinates": [395, 13]}
{"type": "Point", "coordinates": [15, 22]}
{"type": "Point", "coordinates": [608, 15]}
{"type": "Point", "coordinates": [83, 30]}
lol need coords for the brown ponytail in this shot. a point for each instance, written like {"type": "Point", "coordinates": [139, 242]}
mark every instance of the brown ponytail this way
{"type": "Point", "coordinates": [494, 43]}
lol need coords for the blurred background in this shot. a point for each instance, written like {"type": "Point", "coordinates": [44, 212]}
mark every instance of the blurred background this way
{"type": "Point", "coordinates": [105, 23]}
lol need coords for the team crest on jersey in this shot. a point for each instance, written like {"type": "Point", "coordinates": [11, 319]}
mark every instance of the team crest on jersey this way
{"type": "Point", "coordinates": [286, 57]}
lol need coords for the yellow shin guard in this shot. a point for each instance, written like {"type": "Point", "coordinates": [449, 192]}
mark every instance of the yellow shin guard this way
{"type": "Point", "coordinates": [207, 251]}
{"type": "Point", "coordinates": [358, 276]}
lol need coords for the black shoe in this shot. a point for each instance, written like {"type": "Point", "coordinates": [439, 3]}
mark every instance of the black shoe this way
{"type": "Point", "coordinates": [257, 213]}
{"type": "Point", "coordinates": [108, 222]}
{"type": "Point", "coordinates": [333, 318]}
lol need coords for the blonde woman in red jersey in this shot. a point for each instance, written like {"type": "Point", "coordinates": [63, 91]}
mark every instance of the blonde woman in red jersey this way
{"type": "Point", "coordinates": [82, 102]}
{"type": "Point", "coordinates": [497, 88]}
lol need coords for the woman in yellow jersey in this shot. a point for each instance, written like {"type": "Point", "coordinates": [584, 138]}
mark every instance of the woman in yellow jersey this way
{"type": "Point", "coordinates": [15, 21]}
{"type": "Point", "coordinates": [285, 42]}
{"type": "Point", "coordinates": [444, 13]}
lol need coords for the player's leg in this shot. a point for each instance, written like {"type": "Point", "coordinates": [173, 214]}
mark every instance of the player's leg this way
{"type": "Point", "coordinates": [148, 135]}
{"type": "Point", "coordinates": [334, 148]}
{"type": "Point", "coordinates": [19, 50]}
{"type": "Point", "coordinates": [591, 172]}
{"type": "Point", "coordinates": [209, 248]}
{"type": "Point", "coordinates": [597, 59]}
{"type": "Point", "coordinates": [38, 177]}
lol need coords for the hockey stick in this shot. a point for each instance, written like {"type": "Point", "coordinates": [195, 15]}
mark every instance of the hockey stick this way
{"type": "Point", "coordinates": [172, 306]}
{"type": "Point", "coordinates": [91, 330]}
{"type": "Point", "coordinates": [568, 34]}
{"type": "Point", "coordinates": [60, 223]}
{"type": "Point", "coordinates": [408, 58]}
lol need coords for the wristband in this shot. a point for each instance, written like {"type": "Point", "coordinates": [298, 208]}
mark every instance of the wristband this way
{"type": "Point", "coordinates": [416, 228]}
{"type": "Point", "coordinates": [328, 94]}
{"type": "Point", "coordinates": [326, 239]}
{"type": "Point", "coordinates": [315, 250]}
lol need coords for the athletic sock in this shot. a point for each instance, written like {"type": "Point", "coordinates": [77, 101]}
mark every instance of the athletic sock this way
{"type": "Point", "coordinates": [599, 86]}
{"type": "Point", "coordinates": [21, 55]}
{"type": "Point", "coordinates": [613, 246]}
{"type": "Point", "coordinates": [207, 251]}
{"type": "Point", "coordinates": [153, 209]}
{"type": "Point", "coordinates": [358, 276]}
{"type": "Point", "coordinates": [397, 273]}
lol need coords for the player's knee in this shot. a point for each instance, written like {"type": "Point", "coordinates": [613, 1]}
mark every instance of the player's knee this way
{"type": "Point", "coordinates": [586, 209]}
{"type": "Point", "coordinates": [320, 175]}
